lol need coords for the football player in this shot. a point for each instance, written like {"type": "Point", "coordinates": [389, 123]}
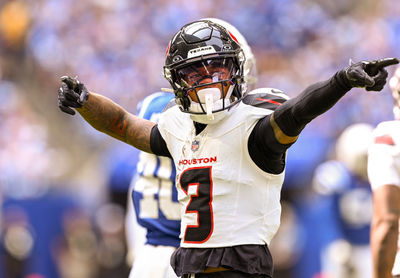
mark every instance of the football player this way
{"type": "Point", "coordinates": [384, 176]}
{"type": "Point", "coordinates": [154, 194]}
{"type": "Point", "coordinates": [343, 184]}
{"type": "Point", "coordinates": [228, 145]}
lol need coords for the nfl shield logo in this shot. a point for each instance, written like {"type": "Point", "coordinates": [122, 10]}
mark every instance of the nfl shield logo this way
{"type": "Point", "coordinates": [195, 145]}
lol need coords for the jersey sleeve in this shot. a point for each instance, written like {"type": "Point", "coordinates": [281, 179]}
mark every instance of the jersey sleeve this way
{"type": "Point", "coordinates": [274, 134]}
{"type": "Point", "coordinates": [296, 113]}
{"type": "Point", "coordinates": [267, 157]}
{"type": "Point", "coordinates": [150, 108]}
{"type": "Point", "coordinates": [157, 143]}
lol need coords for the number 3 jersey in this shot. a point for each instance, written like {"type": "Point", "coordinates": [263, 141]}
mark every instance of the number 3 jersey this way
{"type": "Point", "coordinates": [227, 199]}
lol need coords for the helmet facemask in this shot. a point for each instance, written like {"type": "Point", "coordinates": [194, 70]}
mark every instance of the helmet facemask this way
{"type": "Point", "coordinates": [209, 85]}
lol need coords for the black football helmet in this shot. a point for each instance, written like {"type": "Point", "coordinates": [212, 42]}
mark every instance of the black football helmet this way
{"type": "Point", "coordinates": [205, 43]}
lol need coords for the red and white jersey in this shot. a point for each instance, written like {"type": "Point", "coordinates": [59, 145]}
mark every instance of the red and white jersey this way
{"type": "Point", "coordinates": [384, 162]}
{"type": "Point", "coordinates": [227, 199]}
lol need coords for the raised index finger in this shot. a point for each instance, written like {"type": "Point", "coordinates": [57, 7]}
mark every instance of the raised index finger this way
{"type": "Point", "coordinates": [382, 63]}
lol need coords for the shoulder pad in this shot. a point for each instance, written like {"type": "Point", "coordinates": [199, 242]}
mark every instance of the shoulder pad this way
{"type": "Point", "coordinates": [154, 104]}
{"type": "Point", "coordinates": [266, 98]}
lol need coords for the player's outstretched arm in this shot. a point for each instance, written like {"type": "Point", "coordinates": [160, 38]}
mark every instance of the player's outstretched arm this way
{"type": "Point", "coordinates": [274, 134]}
{"type": "Point", "coordinates": [104, 114]}
{"type": "Point", "coordinates": [293, 115]}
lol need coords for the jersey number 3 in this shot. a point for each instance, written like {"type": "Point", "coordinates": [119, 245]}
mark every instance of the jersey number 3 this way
{"type": "Point", "coordinates": [197, 184]}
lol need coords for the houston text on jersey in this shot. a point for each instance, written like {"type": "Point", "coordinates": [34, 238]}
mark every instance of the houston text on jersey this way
{"type": "Point", "coordinates": [197, 160]}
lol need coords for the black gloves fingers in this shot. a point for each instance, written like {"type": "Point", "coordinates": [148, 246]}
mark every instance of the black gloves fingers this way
{"type": "Point", "coordinates": [71, 93]}
{"type": "Point", "coordinates": [357, 75]}
{"type": "Point", "coordinates": [65, 101]}
{"type": "Point", "coordinates": [373, 67]}
{"type": "Point", "coordinates": [66, 109]}
{"type": "Point", "coordinates": [68, 93]}
{"type": "Point", "coordinates": [380, 81]}
{"type": "Point", "coordinates": [370, 75]}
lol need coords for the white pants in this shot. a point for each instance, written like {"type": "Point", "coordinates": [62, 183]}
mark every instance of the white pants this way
{"type": "Point", "coordinates": [152, 262]}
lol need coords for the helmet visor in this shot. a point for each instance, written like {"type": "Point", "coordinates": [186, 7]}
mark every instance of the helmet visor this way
{"type": "Point", "coordinates": [206, 72]}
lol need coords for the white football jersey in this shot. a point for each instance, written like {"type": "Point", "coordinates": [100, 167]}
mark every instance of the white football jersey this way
{"type": "Point", "coordinates": [227, 199]}
{"type": "Point", "coordinates": [384, 162]}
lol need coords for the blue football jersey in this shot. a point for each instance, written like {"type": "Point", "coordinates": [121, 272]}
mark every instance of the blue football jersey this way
{"type": "Point", "coordinates": [153, 187]}
{"type": "Point", "coordinates": [351, 200]}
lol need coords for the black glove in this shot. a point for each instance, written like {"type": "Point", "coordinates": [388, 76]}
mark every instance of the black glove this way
{"type": "Point", "coordinates": [370, 75]}
{"type": "Point", "coordinates": [72, 93]}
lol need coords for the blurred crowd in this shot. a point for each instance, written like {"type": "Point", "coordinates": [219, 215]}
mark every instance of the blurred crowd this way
{"type": "Point", "coordinates": [62, 209]}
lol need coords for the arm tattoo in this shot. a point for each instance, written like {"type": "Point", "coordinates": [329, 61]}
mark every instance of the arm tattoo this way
{"type": "Point", "coordinates": [118, 125]}
{"type": "Point", "coordinates": [138, 132]}
{"type": "Point", "coordinates": [110, 118]}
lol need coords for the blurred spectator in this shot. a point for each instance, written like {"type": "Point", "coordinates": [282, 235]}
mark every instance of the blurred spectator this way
{"type": "Point", "coordinates": [31, 234]}
{"type": "Point", "coordinates": [14, 22]}
{"type": "Point", "coordinates": [33, 204]}
{"type": "Point", "coordinates": [110, 216]}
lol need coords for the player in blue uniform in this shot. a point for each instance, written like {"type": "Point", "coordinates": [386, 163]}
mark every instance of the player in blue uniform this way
{"type": "Point", "coordinates": [343, 183]}
{"type": "Point", "coordinates": [155, 204]}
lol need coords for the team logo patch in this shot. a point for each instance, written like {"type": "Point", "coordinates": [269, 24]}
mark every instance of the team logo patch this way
{"type": "Point", "coordinates": [204, 50]}
{"type": "Point", "coordinates": [195, 145]}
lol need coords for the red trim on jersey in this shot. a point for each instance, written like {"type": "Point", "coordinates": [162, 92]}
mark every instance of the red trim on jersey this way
{"type": "Point", "coordinates": [268, 100]}
{"type": "Point", "coordinates": [384, 139]}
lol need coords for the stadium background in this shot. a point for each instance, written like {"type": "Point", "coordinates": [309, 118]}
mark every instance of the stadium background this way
{"type": "Point", "coordinates": [57, 174]}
